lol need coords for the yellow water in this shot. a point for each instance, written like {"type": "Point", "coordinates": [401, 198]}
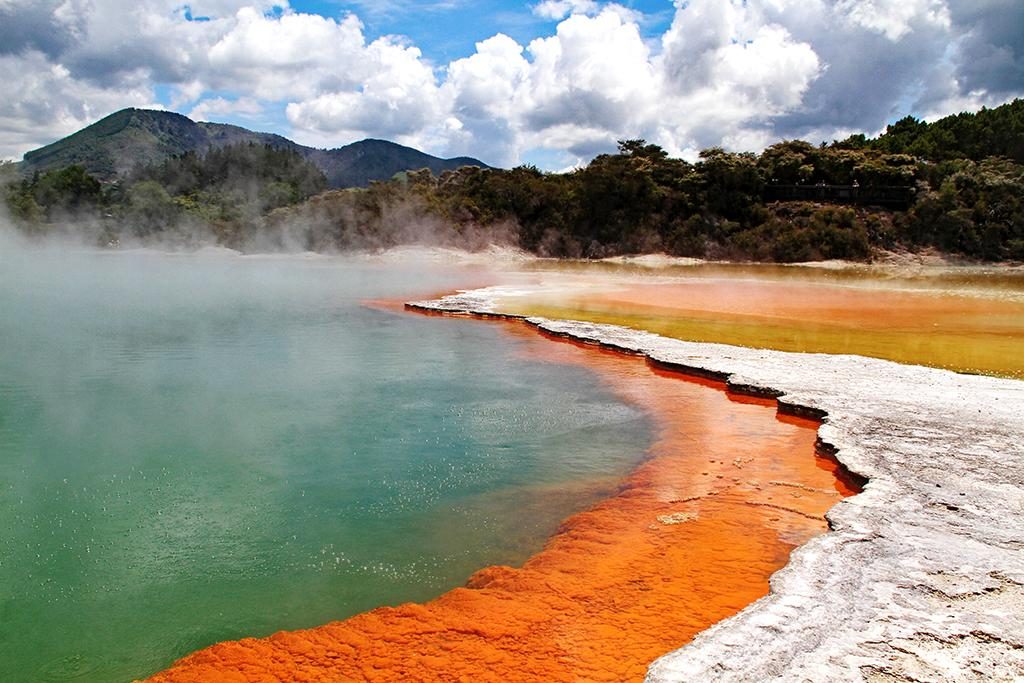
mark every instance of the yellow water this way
{"type": "Point", "coordinates": [967, 320]}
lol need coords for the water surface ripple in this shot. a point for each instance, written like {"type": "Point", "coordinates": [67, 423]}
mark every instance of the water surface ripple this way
{"type": "Point", "coordinates": [200, 448]}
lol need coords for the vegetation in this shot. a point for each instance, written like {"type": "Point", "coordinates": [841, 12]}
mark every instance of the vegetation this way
{"type": "Point", "coordinates": [130, 139]}
{"type": "Point", "coordinates": [995, 132]}
{"type": "Point", "coordinates": [184, 199]}
{"type": "Point", "coordinates": [960, 182]}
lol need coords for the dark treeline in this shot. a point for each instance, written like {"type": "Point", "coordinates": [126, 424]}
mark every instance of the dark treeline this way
{"type": "Point", "coordinates": [962, 178]}
{"type": "Point", "coordinates": [995, 132]}
{"type": "Point", "coordinates": [220, 195]}
{"type": "Point", "coordinates": [966, 200]}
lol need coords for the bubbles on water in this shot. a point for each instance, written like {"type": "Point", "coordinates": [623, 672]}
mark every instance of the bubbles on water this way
{"type": "Point", "coordinates": [68, 668]}
{"type": "Point", "coordinates": [242, 451]}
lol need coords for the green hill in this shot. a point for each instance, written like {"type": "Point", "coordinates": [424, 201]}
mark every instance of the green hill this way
{"type": "Point", "coordinates": [996, 132]}
{"type": "Point", "coordinates": [132, 138]}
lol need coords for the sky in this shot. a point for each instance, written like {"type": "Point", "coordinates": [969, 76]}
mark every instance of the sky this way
{"type": "Point", "coordinates": [549, 82]}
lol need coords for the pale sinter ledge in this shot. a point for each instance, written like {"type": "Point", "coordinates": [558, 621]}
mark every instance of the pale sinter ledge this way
{"type": "Point", "coordinates": [922, 575]}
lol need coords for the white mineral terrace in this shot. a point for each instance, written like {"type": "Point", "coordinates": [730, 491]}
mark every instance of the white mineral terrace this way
{"type": "Point", "coordinates": [921, 577]}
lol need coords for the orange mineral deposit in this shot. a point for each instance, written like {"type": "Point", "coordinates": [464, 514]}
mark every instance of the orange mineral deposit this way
{"type": "Point", "coordinates": [691, 537]}
{"type": "Point", "coordinates": [957, 331]}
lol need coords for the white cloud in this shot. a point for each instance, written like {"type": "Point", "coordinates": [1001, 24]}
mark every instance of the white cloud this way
{"type": "Point", "coordinates": [736, 72]}
{"type": "Point", "coordinates": [879, 58]}
{"type": "Point", "coordinates": [289, 56]}
{"type": "Point", "coordinates": [219, 106]}
{"type": "Point", "coordinates": [893, 18]}
{"type": "Point", "coordinates": [596, 80]}
{"type": "Point", "coordinates": [556, 10]}
{"type": "Point", "coordinates": [770, 68]}
{"type": "Point", "coordinates": [397, 97]}
{"type": "Point", "coordinates": [560, 9]}
{"type": "Point", "coordinates": [754, 68]}
{"type": "Point", "coordinates": [50, 104]}
{"type": "Point", "coordinates": [484, 94]}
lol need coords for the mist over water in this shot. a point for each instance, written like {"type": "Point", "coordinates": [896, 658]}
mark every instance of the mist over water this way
{"type": "Point", "coordinates": [202, 447]}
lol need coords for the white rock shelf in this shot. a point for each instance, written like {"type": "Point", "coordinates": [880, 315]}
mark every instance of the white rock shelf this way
{"type": "Point", "coordinates": [921, 577]}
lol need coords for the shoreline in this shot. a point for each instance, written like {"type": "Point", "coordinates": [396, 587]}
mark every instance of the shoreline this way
{"type": "Point", "coordinates": [921, 574]}
{"type": "Point", "coordinates": [638, 562]}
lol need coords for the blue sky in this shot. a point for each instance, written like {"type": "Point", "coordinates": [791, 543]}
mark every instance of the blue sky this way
{"type": "Point", "coordinates": [444, 31]}
{"type": "Point", "coordinates": [549, 82]}
{"type": "Point", "coordinates": [449, 30]}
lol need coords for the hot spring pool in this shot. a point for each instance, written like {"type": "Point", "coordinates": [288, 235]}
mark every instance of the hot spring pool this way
{"type": "Point", "coordinates": [200, 448]}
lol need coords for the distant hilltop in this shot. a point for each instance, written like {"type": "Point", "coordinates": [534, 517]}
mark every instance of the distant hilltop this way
{"type": "Point", "coordinates": [134, 137]}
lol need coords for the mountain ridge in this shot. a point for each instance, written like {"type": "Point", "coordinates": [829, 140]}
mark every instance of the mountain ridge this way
{"type": "Point", "coordinates": [128, 138]}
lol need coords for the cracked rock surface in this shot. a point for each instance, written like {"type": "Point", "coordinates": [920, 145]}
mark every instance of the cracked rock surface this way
{"type": "Point", "coordinates": [922, 576]}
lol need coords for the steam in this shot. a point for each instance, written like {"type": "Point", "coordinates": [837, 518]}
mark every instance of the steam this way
{"type": "Point", "coordinates": [332, 223]}
{"type": "Point", "coordinates": [337, 222]}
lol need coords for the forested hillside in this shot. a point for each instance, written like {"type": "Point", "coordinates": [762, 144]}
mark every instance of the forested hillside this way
{"type": "Point", "coordinates": [221, 195]}
{"type": "Point", "coordinates": [127, 140]}
{"type": "Point", "coordinates": [956, 185]}
{"type": "Point", "coordinates": [859, 195]}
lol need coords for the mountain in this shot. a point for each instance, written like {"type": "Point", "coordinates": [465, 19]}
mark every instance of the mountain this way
{"type": "Point", "coordinates": [134, 137]}
{"type": "Point", "coordinates": [357, 164]}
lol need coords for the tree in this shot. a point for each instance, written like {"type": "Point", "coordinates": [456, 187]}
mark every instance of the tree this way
{"type": "Point", "coordinates": [732, 183]}
{"type": "Point", "coordinates": [149, 209]}
{"type": "Point", "coordinates": [68, 192]}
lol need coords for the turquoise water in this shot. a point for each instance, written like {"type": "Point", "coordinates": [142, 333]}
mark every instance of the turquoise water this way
{"type": "Point", "coordinates": [198, 448]}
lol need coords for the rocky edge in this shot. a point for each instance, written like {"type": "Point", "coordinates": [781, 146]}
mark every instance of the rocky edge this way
{"type": "Point", "coordinates": [921, 577]}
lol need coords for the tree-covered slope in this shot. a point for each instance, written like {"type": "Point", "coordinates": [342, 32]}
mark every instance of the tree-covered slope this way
{"type": "Point", "coordinates": [996, 132]}
{"type": "Point", "coordinates": [119, 142]}
{"type": "Point", "coordinates": [133, 138]}
{"type": "Point", "coordinates": [794, 201]}
{"type": "Point", "coordinates": [358, 164]}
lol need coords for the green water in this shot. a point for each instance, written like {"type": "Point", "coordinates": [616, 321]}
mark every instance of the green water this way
{"type": "Point", "coordinates": [198, 448]}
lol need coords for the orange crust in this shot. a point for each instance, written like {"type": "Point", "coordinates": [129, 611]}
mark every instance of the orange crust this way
{"type": "Point", "coordinates": [692, 536]}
